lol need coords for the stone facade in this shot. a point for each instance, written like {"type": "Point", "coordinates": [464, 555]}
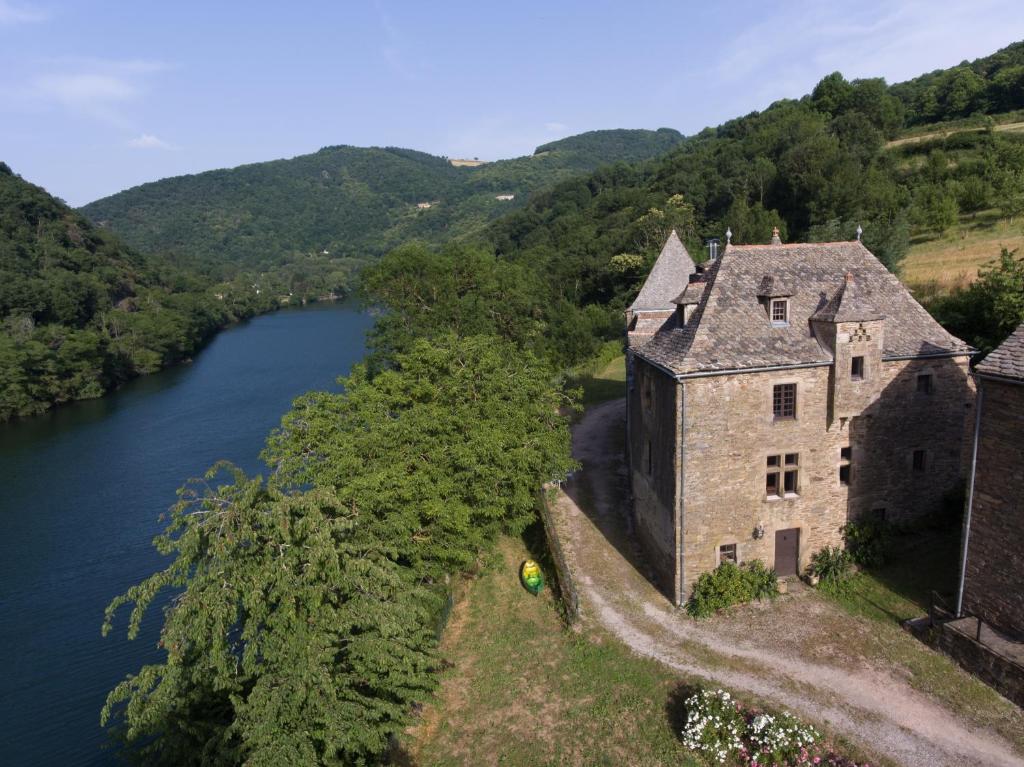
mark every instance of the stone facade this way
{"type": "Point", "coordinates": [883, 436]}
{"type": "Point", "coordinates": [994, 577]}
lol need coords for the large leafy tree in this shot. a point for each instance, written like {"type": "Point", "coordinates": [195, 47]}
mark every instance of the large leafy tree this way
{"type": "Point", "coordinates": [303, 629]}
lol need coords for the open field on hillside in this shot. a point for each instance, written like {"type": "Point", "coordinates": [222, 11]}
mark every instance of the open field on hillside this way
{"type": "Point", "coordinates": [1006, 123]}
{"type": "Point", "coordinates": [938, 265]}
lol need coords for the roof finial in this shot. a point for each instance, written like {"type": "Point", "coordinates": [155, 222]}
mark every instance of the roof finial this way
{"type": "Point", "coordinates": [859, 232]}
{"type": "Point", "coordinates": [728, 236]}
{"type": "Point", "coordinates": [776, 240]}
{"type": "Point", "coordinates": [849, 278]}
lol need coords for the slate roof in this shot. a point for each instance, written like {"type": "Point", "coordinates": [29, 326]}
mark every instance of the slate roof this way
{"type": "Point", "coordinates": [667, 279]}
{"type": "Point", "coordinates": [730, 330]}
{"type": "Point", "coordinates": [848, 304]}
{"type": "Point", "coordinates": [1007, 360]}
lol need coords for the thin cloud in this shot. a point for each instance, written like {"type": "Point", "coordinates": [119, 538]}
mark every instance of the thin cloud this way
{"type": "Point", "coordinates": [11, 14]}
{"type": "Point", "coordinates": [149, 141]}
{"type": "Point", "coordinates": [97, 89]}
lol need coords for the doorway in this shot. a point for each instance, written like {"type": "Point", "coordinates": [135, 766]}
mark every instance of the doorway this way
{"type": "Point", "coordinates": [787, 551]}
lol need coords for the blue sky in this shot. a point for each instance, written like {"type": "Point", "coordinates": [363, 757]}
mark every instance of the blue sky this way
{"type": "Point", "coordinates": [100, 96]}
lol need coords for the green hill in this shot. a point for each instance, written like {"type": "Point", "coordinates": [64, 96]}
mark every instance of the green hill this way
{"type": "Point", "coordinates": [80, 312]}
{"type": "Point", "coordinates": [351, 202]}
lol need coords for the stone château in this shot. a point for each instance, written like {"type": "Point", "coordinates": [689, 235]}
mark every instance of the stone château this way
{"type": "Point", "coordinates": [776, 393]}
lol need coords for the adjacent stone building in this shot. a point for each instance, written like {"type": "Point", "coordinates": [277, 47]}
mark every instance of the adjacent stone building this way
{"type": "Point", "coordinates": [993, 573]}
{"type": "Point", "coordinates": [785, 390]}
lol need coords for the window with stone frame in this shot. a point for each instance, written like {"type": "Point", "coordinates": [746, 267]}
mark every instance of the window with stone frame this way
{"type": "Point", "coordinates": [647, 391]}
{"type": "Point", "coordinates": [784, 401]}
{"type": "Point", "coordinates": [845, 465]}
{"type": "Point", "coordinates": [857, 368]}
{"type": "Point", "coordinates": [925, 383]}
{"type": "Point", "coordinates": [727, 553]}
{"type": "Point", "coordinates": [779, 311]}
{"type": "Point", "coordinates": [782, 477]}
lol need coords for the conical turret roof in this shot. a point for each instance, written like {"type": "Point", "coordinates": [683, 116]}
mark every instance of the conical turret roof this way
{"type": "Point", "coordinates": [669, 276]}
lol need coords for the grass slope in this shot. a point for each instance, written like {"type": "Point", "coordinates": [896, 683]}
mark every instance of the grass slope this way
{"type": "Point", "coordinates": [524, 690]}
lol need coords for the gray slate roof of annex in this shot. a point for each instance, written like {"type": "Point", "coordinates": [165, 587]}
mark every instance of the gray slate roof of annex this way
{"type": "Point", "coordinates": [1007, 359]}
{"type": "Point", "coordinates": [730, 329]}
{"type": "Point", "coordinates": [667, 278]}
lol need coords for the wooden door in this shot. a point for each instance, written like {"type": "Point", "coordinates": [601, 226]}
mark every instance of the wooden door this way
{"type": "Point", "coordinates": [787, 551]}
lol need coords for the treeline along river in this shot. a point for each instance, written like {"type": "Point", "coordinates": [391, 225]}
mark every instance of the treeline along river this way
{"type": "Point", "coordinates": [81, 493]}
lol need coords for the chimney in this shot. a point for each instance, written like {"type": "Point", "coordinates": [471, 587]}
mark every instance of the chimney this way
{"type": "Point", "coordinates": [775, 236]}
{"type": "Point", "coordinates": [713, 244]}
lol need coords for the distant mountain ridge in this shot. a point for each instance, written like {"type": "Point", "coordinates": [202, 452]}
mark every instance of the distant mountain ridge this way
{"type": "Point", "coordinates": [352, 202]}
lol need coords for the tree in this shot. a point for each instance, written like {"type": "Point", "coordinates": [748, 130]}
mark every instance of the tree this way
{"type": "Point", "coordinates": [296, 639]}
{"type": "Point", "coordinates": [304, 628]}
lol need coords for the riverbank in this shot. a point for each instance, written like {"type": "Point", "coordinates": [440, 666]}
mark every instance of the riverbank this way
{"type": "Point", "coordinates": [84, 488]}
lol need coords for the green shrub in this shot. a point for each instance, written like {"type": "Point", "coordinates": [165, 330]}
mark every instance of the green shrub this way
{"type": "Point", "coordinates": [832, 565]}
{"type": "Point", "coordinates": [731, 584]}
{"type": "Point", "coordinates": [764, 583]}
{"type": "Point", "coordinates": [866, 542]}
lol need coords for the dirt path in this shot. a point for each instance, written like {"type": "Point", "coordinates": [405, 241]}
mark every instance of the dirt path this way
{"type": "Point", "coordinates": [781, 653]}
{"type": "Point", "coordinates": [1005, 127]}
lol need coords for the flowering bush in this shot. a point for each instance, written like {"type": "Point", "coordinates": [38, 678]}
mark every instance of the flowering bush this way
{"type": "Point", "coordinates": [781, 739]}
{"type": "Point", "coordinates": [713, 725]}
{"type": "Point", "coordinates": [723, 731]}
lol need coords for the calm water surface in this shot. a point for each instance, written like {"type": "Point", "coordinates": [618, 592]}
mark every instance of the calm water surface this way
{"type": "Point", "coordinates": [81, 491]}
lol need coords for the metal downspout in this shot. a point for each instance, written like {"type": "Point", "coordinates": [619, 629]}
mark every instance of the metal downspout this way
{"type": "Point", "coordinates": [970, 499]}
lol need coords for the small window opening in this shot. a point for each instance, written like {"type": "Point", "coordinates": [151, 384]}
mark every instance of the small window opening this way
{"type": "Point", "coordinates": [845, 465]}
{"type": "Point", "coordinates": [780, 311]}
{"type": "Point", "coordinates": [924, 383]}
{"type": "Point", "coordinates": [857, 368]}
{"type": "Point", "coordinates": [784, 401]}
{"type": "Point", "coordinates": [919, 460]}
{"type": "Point", "coordinates": [727, 553]}
{"type": "Point", "coordinates": [650, 459]}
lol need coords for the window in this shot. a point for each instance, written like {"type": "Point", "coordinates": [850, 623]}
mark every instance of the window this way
{"type": "Point", "coordinates": [857, 368]}
{"type": "Point", "coordinates": [650, 459]}
{"type": "Point", "coordinates": [845, 465]}
{"type": "Point", "coordinates": [782, 472]}
{"type": "Point", "coordinates": [924, 383]}
{"type": "Point", "coordinates": [780, 311]}
{"type": "Point", "coordinates": [784, 401]}
{"type": "Point", "coordinates": [647, 391]}
{"type": "Point", "coordinates": [727, 553]}
{"type": "Point", "coordinates": [919, 460]}
{"type": "Point", "coordinates": [878, 514]}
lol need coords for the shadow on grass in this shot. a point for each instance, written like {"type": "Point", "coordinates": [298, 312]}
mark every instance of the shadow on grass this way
{"type": "Point", "coordinates": [675, 707]}
{"type": "Point", "coordinates": [917, 563]}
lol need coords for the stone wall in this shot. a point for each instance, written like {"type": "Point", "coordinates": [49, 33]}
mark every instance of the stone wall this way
{"type": "Point", "coordinates": [992, 668]}
{"type": "Point", "coordinates": [994, 586]}
{"type": "Point", "coordinates": [652, 455]}
{"type": "Point", "coordinates": [730, 430]}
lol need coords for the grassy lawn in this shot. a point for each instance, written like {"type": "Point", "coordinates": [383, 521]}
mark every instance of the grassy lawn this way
{"type": "Point", "coordinates": [525, 690]}
{"type": "Point", "coordinates": [940, 264]}
{"type": "Point", "coordinates": [608, 382]}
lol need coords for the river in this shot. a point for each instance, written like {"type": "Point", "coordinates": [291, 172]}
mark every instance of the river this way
{"type": "Point", "coordinates": [81, 492]}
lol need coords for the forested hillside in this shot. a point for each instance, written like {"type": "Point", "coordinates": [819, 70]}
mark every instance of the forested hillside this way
{"type": "Point", "coordinates": [987, 85]}
{"type": "Point", "coordinates": [80, 312]}
{"type": "Point", "coordinates": [816, 167]}
{"type": "Point", "coordinates": [345, 202]}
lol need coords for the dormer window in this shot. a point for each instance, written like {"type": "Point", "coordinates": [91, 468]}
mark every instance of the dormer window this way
{"type": "Point", "coordinates": [779, 312]}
